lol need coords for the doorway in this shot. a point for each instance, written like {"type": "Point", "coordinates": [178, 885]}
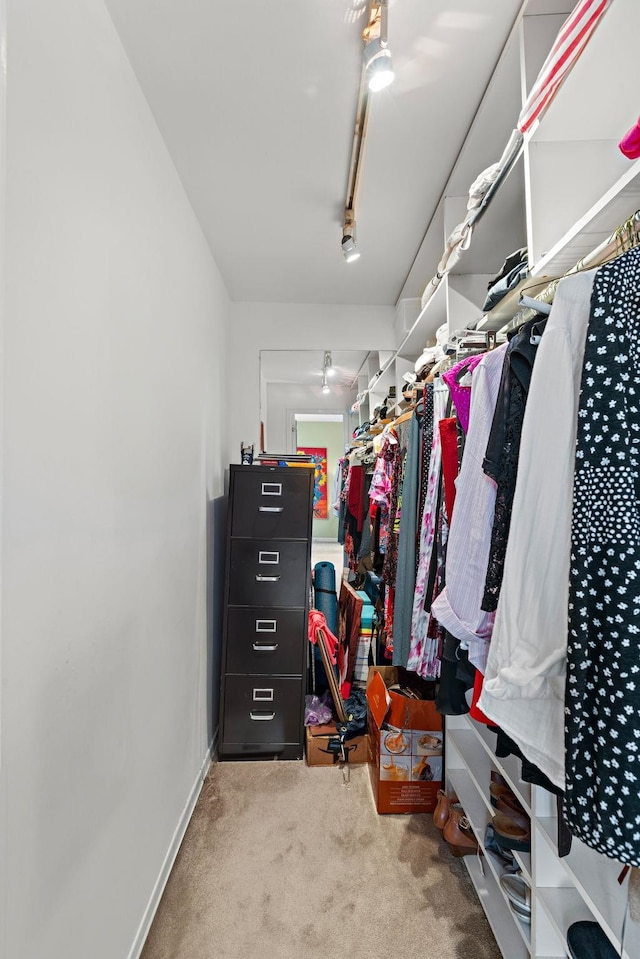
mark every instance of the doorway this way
{"type": "Point", "coordinates": [322, 435]}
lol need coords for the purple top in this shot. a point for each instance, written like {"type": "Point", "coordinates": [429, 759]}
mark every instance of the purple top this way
{"type": "Point", "coordinates": [461, 395]}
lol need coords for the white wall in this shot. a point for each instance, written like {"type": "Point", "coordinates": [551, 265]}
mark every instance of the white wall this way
{"type": "Point", "coordinates": [284, 399]}
{"type": "Point", "coordinates": [292, 326]}
{"type": "Point", "coordinates": [114, 445]}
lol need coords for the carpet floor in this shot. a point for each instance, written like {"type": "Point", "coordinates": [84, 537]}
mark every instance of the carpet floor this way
{"type": "Point", "coordinates": [283, 861]}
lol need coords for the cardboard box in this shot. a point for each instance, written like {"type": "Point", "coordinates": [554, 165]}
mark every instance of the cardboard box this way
{"type": "Point", "coordinates": [319, 754]}
{"type": "Point", "coordinates": [406, 759]}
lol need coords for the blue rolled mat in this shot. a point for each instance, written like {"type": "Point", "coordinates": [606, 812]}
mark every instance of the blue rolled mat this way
{"type": "Point", "coordinates": [324, 581]}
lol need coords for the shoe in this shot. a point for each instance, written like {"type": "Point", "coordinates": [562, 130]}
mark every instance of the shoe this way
{"type": "Point", "coordinates": [505, 856]}
{"type": "Point", "coordinates": [510, 834]}
{"type": "Point", "coordinates": [518, 893]}
{"type": "Point", "coordinates": [499, 792]}
{"type": "Point", "coordinates": [443, 809]}
{"type": "Point", "coordinates": [457, 832]}
{"type": "Point", "coordinates": [511, 807]}
{"type": "Point", "coordinates": [586, 940]}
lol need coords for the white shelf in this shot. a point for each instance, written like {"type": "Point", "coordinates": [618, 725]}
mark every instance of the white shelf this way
{"type": "Point", "coordinates": [431, 316]}
{"type": "Point", "coordinates": [524, 861]}
{"type": "Point", "coordinates": [595, 877]}
{"type": "Point", "coordinates": [479, 816]}
{"type": "Point", "coordinates": [563, 906]}
{"type": "Point", "coordinates": [615, 206]}
{"type": "Point", "coordinates": [504, 925]}
{"type": "Point", "coordinates": [582, 109]}
{"type": "Point", "coordinates": [508, 766]}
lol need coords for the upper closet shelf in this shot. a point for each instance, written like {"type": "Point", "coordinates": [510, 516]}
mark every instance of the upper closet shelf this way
{"type": "Point", "coordinates": [430, 318]}
{"type": "Point", "coordinates": [598, 99]}
{"type": "Point", "coordinates": [619, 203]}
{"type": "Point", "coordinates": [613, 208]}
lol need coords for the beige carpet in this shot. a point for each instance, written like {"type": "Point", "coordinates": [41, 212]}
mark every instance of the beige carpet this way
{"type": "Point", "coordinates": [285, 862]}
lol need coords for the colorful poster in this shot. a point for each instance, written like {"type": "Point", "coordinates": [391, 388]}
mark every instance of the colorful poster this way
{"type": "Point", "coordinates": [320, 494]}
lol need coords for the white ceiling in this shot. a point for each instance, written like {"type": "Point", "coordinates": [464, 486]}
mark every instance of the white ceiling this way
{"type": "Point", "coordinates": [256, 102]}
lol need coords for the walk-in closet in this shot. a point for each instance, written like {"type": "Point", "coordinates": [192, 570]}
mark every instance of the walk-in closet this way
{"type": "Point", "coordinates": [320, 473]}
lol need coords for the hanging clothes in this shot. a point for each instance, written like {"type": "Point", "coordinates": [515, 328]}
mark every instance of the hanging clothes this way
{"type": "Point", "coordinates": [457, 608]}
{"type": "Point", "coordinates": [503, 447]}
{"type": "Point", "coordinates": [523, 690]}
{"type": "Point", "coordinates": [423, 652]}
{"type": "Point", "coordinates": [460, 389]}
{"type": "Point", "coordinates": [406, 567]}
{"type": "Point", "coordinates": [425, 416]}
{"type": "Point", "coordinates": [390, 567]}
{"type": "Point", "coordinates": [602, 799]}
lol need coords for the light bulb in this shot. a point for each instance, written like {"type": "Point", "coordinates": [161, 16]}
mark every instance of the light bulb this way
{"type": "Point", "coordinates": [382, 75]}
{"type": "Point", "coordinates": [349, 249]}
{"type": "Point", "coordinates": [378, 65]}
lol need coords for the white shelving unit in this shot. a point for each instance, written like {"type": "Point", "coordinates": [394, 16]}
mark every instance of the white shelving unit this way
{"type": "Point", "coordinates": [583, 885]}
{"type": "Point", "coordinates": [569, 190]}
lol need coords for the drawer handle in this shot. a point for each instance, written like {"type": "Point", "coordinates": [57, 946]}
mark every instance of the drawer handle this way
{"type": "Point", "coordinates": [270, 509]}
{"type": "Point", "coordinates": [262, 717]}
{"type": "Point", "coordinates": [266, 626]}
{"type": "Point", "coordinates": [262, 695]}
{"type": "Point", "coordinates": [266, 579]}
{"type": "Point", "coordinates": [268, 557]}
{"type": "Point", "coordinates": [272, 489]}
{"type": "Point", "coordinates": [261, 648]}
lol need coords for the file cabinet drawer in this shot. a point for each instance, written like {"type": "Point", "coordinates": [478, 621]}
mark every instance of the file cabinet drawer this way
{"type": "Point", "coordinates": [268, 573]}
{"type": "Point", "coordinates": [261, 709]}
{"type": "Point", "coordinates": [277, 505]}
{"type": "Point", "coordinates": [263, 640]}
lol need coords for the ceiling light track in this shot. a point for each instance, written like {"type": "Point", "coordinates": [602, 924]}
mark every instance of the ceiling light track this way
{"type": "Point", "coordinates": [376, 74]}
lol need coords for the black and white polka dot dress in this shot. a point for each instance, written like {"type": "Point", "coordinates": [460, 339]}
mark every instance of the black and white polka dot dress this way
{"type": "Point", "coordinates": [602, 705]}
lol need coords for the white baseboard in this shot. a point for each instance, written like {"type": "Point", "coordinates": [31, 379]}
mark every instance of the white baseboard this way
{"type": "Point", "coordinates": [172, 852]}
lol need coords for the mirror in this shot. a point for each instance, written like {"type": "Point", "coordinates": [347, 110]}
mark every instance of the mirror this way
{"type": "Point", "coordinates": [296, 414]}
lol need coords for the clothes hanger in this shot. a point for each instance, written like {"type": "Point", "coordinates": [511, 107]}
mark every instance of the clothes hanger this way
{"type": "Point", "coordinates": [530, 304]}
{"type": "Point", "coordinates": [404, 417]}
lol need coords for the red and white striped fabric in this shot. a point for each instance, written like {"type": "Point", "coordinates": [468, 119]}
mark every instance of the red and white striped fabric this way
{"type": "Point", "coordinates": [570, 42]}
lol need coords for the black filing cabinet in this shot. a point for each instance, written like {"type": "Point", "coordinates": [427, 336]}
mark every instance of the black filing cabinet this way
{"type": "Point", "coordinates": [268, 580]}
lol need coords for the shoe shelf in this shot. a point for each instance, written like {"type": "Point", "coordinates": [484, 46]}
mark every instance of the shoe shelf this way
{"type": "Point", "coordinates": [478, 813]}
{"type": "Point", "coordinates": [582, 885]}
{"type": "Point", "coordinates": [563, 906]}
{"type": "Point", "coordinates": [595, 877]}
{"type": "Point", "coordinates": [479, 765]}
{"type": "Point", "coordinates": [502, 921]}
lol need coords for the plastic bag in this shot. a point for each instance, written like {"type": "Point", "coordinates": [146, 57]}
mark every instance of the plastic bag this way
{"type": "Point", "coordinates": [317, 709]}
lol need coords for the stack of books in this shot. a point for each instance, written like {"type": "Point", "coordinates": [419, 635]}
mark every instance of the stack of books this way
{"type": "Point", "coordinates": [283, 459]}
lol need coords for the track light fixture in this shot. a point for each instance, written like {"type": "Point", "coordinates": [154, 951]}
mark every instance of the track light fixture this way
{"type": "Point", "coordinates": [376, 74]}
{"type": "Point", "coordinates": [349, 249]}
{"type": "Point", "coordinates": [378, 65]}
{"type": "Point", "coordinates": [325, 385]}
{"type": "Point", "coordinates": [377, 55]}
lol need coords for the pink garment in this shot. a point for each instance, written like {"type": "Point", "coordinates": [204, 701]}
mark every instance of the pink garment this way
{"type": "Point", "coordinates": [461, 395]}
{"type": "Point", "coordinates": [318, 622]}
{"type": "Point", "coordinates": [457, 608]}
{"type": "Point", "coordinates": [630, 143]}
{"type": "Point", "coordinates": [380, 490]}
